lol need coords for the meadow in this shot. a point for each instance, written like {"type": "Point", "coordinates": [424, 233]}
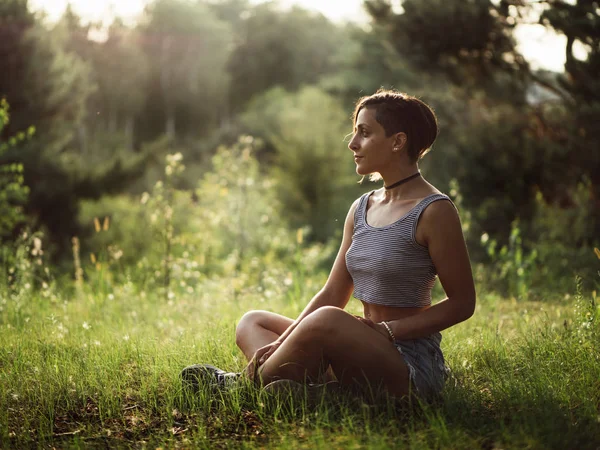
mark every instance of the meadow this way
{"type": "Point", "coordinates": [117, 271]}
{"type": "Point", "coordinates": [95, 362]}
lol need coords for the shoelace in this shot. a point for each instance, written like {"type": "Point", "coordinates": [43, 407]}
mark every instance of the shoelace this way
{"type": "Point", "coordinates": [227, 378]}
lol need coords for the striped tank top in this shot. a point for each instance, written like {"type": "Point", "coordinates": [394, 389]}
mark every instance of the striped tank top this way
{"type": "Point", "coordinates": [388, 266]}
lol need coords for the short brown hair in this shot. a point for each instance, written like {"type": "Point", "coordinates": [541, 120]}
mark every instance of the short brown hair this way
{"type": "Point", "coordinates": [398, 112]}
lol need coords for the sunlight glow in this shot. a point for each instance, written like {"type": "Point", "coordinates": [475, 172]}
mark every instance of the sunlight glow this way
{"type": "Point", "coordinates": [542, 47]}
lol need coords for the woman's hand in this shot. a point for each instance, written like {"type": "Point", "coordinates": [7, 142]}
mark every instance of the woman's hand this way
{"type": "Point", "coordinates": [263, 353]}
{"type": "Point", "coordinates": [379, 327]}
{"type": "Point", "coordinates": [259, 358]}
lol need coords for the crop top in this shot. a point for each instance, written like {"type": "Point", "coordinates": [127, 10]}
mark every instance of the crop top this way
{"type": "Point", "coordinates": [388, 266]}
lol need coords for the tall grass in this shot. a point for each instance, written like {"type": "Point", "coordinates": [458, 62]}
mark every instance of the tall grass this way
{"type": "Point", "coordinates": [104, 369]}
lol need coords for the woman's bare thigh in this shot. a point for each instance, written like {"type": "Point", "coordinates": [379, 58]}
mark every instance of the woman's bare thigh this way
{"type": "Point", "coordinates": [357, 353]}
{"type": "Point", "coordinates": [274, 322]}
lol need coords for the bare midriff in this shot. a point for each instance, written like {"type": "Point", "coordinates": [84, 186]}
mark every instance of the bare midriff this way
{"type": "Point", "coordinates": [380, 313]}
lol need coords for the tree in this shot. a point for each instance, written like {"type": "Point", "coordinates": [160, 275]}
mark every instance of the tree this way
{"type": "Point", "coordinates": [188, 47]}
{"type": "Point", "coordinates": [502, 147]}
{"type": "Point", "coordinates": [13, 193]}
{"type": "Point", "coordinates": [580, 23]}
{"type": "Point", "coordinates": [312, 164]}
{"type": "Point", "coordinates": [121, 69]}
{"type": "Point", "coordinates": [280, 48]}
{"type": "Point", "coordinates": [47, 87]}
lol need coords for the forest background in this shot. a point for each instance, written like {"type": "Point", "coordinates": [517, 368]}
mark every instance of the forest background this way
{"type": "Point", "coordinates": [207, 143]}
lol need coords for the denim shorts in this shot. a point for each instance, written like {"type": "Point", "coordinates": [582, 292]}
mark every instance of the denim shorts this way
{"type": "Point", "coordinates": [425, 361]}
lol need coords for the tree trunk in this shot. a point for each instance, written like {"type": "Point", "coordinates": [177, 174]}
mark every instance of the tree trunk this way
{"type": "Point", "coordinates": [112, 120]}
{"type": "Point", "coordinates": [170, 128]}
{"type": "Point", "coordinates": [83, 140]}
{"type": "Point", "coordinates": [129, 127]}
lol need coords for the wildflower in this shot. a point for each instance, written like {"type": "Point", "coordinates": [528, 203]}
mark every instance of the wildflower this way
{"type": "Point", "coordinates": [97, 343]}
{"type": "Point", "coordinates": [288, 280]}
{"type": "Point", "coordinates": [37, 247]}
{"type": "Point", "coordinates": [126, 337]}
{"type": "Point", "coordinates": [86, 326]}
{"type": "Point", "coordinates": [299, 236]}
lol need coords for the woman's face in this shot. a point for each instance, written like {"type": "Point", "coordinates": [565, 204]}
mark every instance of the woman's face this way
{"type": "Point", "coordinates": [373, 151]}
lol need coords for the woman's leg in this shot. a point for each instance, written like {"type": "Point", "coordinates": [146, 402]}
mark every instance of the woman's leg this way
{"type": "Point", "coordinates": [259, 328]}
{"type": "Point", "coordinates": [357, 354]}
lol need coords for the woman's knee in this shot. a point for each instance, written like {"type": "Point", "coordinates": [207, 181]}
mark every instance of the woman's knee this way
{"type": "Point", "coordinates": [322, 323]}
{"type": "Point", "coordinates": [248, 324]}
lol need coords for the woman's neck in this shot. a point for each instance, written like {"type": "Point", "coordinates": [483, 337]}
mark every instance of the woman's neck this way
{"type": "Point", "coordinates": [399, 175]}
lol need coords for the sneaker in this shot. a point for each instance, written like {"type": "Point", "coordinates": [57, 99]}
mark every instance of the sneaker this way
{"type": "Point", "coordinates": [193, 376]}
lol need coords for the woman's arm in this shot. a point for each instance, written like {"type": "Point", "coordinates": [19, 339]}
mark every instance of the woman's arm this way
{"type": "Point", "coordinates": [339, 285]}
{"type": "Point", "coordinates": [440, 229]}
{"type": "Point", "coordinates": [336, 292]}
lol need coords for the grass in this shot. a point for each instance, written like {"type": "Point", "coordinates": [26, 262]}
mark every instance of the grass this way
{"type": "Point", "coordinates": [97, 368]}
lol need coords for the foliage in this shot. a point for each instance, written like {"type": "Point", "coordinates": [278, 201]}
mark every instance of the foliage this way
{"type": "Point", "coordinates": [503, 142]}
{"type": "Point", "coordinates": [520, 143]}
{"type": "Point", "coordinates": [231, 224]}
{"type": "Point", "coordinates": [13, 193]}
{"type": "Point", "coordinates": [312, 163]}
{"type": "Point", "coordinates": [579, 23]}
{"type": "Point", "coordinates": [511, 264]}
{"type": "Point", "coordinates": [188, 48]}
{"type": "Point", "coordinates": [470, 42]}
{"type": "Point", "coordinates": [47, 87]}
{"type": "Point", "coordinates": [275, 48]}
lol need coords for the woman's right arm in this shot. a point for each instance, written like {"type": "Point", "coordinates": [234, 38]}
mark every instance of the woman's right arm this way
{"type": "Point", "coordinates": [337, 289]}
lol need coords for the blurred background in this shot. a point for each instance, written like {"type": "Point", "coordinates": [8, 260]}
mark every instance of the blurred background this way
{"type": "Point", "coordinates": [161, 136]}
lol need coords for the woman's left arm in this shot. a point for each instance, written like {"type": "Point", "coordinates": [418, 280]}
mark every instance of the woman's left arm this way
{"type": "Point", "coordinates": [439, 227]}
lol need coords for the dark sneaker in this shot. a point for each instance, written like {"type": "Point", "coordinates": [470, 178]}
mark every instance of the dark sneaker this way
{"type": "Point", "coordinates": [193, 376]}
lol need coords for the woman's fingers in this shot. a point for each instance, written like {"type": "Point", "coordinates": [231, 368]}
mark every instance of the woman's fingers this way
{"type": "Point", "coordinates": [368, 322]}
{"type": "Point", "coordinates": [269, 351]}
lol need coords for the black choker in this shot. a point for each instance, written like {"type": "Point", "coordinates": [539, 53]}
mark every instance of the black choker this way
{"type": "Point", "coordinates": [402, 181]}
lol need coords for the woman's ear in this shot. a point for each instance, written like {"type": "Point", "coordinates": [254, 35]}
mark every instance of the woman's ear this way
{"type": "Point", "coordinates": [400, 141]}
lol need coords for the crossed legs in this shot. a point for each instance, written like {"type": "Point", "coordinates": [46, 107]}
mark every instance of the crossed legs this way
{"type": "Point", "coordinates": [357, 354]}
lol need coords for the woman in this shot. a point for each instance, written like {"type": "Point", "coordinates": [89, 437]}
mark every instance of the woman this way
{"type": "Point", "coordinates": [396, 240]}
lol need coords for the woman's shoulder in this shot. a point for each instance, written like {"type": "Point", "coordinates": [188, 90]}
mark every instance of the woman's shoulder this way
{"type": "Point", "coordinates": [362, 198]}
{"type": "Point", "coordinates": [438, 209]}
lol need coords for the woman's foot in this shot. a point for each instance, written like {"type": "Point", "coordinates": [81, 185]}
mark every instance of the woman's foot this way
{"type": "Point", "coordinates": [193, 376]}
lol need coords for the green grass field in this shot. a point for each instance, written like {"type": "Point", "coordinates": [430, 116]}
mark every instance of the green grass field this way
{"type": "Point", "coordinates": [99, 367]}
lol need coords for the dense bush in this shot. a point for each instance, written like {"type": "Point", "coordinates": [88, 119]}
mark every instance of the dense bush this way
{"type": "Point", "coordinates": [172, 239]}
